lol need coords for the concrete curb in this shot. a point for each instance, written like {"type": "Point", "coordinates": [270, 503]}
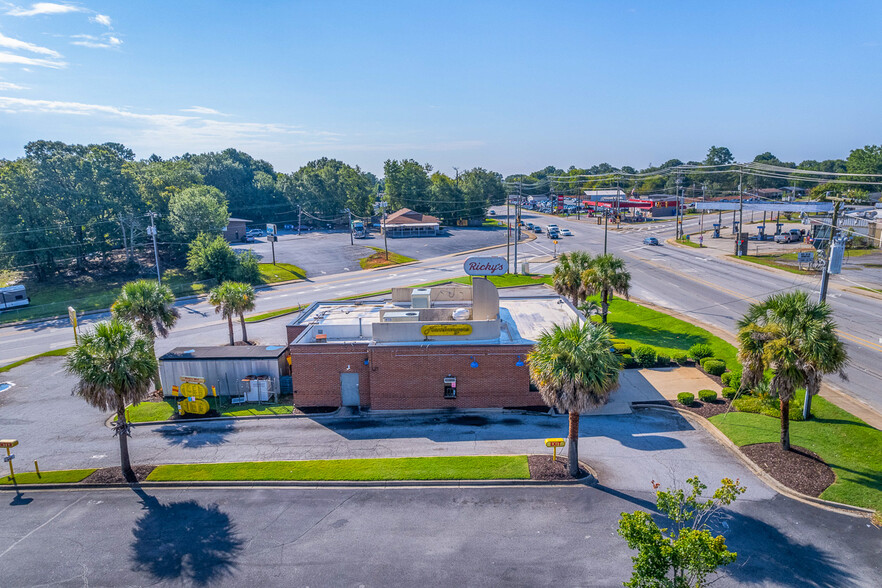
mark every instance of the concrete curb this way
{"type": "Point", "coordinates": [846, 509]}
{"type": "Point", "coordinates": [219, 419]}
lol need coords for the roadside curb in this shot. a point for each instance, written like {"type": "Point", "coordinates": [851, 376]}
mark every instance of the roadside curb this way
{"type": "Point", "coordinates": [252, 417]}
{"type": "Point", "coordinates": [846, 509]}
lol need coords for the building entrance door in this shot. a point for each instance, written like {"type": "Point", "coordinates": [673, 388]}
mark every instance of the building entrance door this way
{"type": "Point", "coordinates": [349, 390]}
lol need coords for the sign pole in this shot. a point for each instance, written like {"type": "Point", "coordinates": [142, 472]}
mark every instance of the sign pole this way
{"type": "Point", "coordinates": [72, 314]}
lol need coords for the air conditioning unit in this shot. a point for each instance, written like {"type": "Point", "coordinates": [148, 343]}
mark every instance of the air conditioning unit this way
{"type": "Point", "coordinates": [421, 298]}
{"type": "Point", "coordinates": [404, 316]}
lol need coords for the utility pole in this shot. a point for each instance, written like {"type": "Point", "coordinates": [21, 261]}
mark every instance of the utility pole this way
{"type": "Point", "coordinates": [740, 211]}
{"type": "Point", "coordinates": [299, 219]}
{"type": "Point", "coordinates": [605, 228]}
{"type": "Point", "coordinates": [151, 230]}
{"type": "Point", "coordinates": [679, 227]}
{"type": "Point", "coordinates": [385, 236]}
{"type": "Point", "coordinates": [351, 238]}
{"type": "Point", "coordinates": [518, 233]}
{"type": "Point", "coordinates": [508, 231]}
{"type": "Point", "coordinates": [825, 279]}
{"type": "Point", "coordinates": [701, 218]}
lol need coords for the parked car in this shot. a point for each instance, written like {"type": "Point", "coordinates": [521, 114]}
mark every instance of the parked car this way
{"type": "Point", "coordinates": [791, 236]}
{"type": "Point", "coordinates": [566, 232]}
{"type": "Point", "coordinates": [650, 241]}
{"type": "Point", "coordinates": [254, 233]}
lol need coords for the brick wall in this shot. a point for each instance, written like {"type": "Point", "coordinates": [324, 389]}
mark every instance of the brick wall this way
{"type": "Point", "coordinates": [316, 369]}
{"type": "Point", "coordinates": [294, 331]}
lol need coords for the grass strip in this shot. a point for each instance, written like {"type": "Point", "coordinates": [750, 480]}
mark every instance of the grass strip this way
{"type": "Point", "coordinates": [378, 259]}
{"type": "Point", "coordinates": [53, 353]}
{"type": "Point", "coordinates": [150, 412]}
{"type": "Point", "coordinates": [494, 467]}
{"type": "Point", "coordinates": [688, 243]}
{"type": "Point", "coordinates": [50, 477]}
{"type": "Point", "coordinates": [274, 313]}
{"type": "Point", "coordinates": [847, 444]}
{"type": "Point", "coordinates": [770, 261]}
{"type": "Point", "coordinates": [280, 272]}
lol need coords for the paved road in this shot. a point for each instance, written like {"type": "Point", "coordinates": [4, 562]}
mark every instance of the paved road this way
{"type": "Point", "coordinates": [693, 282]}
{"type": "Point", "coordinates": [550, 536]}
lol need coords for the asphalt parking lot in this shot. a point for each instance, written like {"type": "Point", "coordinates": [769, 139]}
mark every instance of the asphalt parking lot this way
{"type": "Point", "coordinates": [330, 252]}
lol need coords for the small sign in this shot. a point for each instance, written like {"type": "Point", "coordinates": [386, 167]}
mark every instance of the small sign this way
{"type": "Point", "coordinates": [805, 256]}
{"type": "Point", "coordinates": [485, 266]}
{"type": "Point", "coordinates": [270, 229]}
{"type": "Point", "coordinates": [555, 442]}
{"type": "Point", "coordinates": [445, 330]}
{"type": "Point", "coordinates": [192, 380]}
{"type": "Point", "coordinates": [7, 443]}
{"type": "Point", "coordinates": [72, 314]}
{"type": "Point", "coordinates": [8, 458]}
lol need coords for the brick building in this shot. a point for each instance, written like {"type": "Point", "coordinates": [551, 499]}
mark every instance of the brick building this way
{"type": "Point", "coordinates": [442, 347]}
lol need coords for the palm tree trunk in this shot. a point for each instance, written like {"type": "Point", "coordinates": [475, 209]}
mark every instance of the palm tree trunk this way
{"type": "Point", "coordinates": [785, 424]}
{"type": "Point", "coordinates": [124, 461]}
{"type": "Point", "coordinates": [242, 321]}
{"type": "Point", "coordinates": [157, 385]}
{"type": "Point", "coordinates": [604, 305]}
{"type": "Point", "coordinates": [230, 325]}
{"type": "Point", "coordinates": [573, 449]}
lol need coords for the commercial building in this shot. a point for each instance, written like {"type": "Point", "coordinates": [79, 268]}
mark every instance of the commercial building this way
{"type": "Point", "coordinates": [409, 223]}
{"type": "Point", "coordinates": [448, 346]}
{"type": "Point", "coordinates": [236, 229]}
{"type": "Point", "coordinates": [229, 369]}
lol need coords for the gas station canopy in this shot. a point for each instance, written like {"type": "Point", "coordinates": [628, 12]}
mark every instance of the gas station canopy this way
{"type": "Point", "coordinates": [767, 206]}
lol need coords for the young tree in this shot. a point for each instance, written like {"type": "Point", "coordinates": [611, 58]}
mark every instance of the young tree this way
{"type": "Point", "coordinates": [567, 275]}
{"type": "Point", "coordinates": [606, 275]}
{"type": "Point", "coordinates": [150, 307]}
{"type": "Point", "coordinates": [796, 337]}
{"type": "Point", "coordinates": [684, 555]}
{"type": "Point", "coordinates": [212, 258]}
{"type": "Point", "coordinates": [114, 365]}
{"type": "Point", "coordinates": [575, 370]}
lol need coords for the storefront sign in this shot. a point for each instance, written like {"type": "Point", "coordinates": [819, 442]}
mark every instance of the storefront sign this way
{"type": "Point", "coordinates": [445, 330]}
{"type": "Point", "coordinates": [485, 266]}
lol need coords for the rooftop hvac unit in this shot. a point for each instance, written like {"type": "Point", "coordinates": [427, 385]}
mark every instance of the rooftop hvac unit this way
{"type": "Point", "coordinates": [401, 317]}
{"type": "Point", "coordinates": [461, 314]}
{"type": "Point", "coordinates": [421, 298]}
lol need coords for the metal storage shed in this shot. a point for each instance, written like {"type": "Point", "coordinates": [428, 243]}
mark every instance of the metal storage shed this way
{"type": "Point", "coordinates": [223, 367]}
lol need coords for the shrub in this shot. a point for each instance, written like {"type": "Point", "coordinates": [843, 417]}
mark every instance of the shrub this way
{"type": "Point", "coordinates": [768, 406]}
{"type": "Point", "coordinates": [735, 378]}
{"type": "Point", "coordinates": [680, 357]}
{"type": "Point", "coordinates": [685, 398]}
{"type": "Point", "coordinates": [700, 350]}
{"type": "Point", "coordinates": [729, 392]}
{"type": "Point", "coordinates": [715, 367]}
{"type": "Point", "coordinates": [645, 355]}
{"type": "Point", "coordinates": [704, 360]}
{"type": "Point", "coordinates": [707, 395]}
{"type": "Point", "coordinates": [662, 360]}
{"type": "Point", "coordinates": [622, 348]}
{"type": "Point", "coordinates": [628, 361]}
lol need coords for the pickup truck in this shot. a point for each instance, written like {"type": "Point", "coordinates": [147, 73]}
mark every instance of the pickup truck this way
{"type": "Point", "coordinates": [791, 236]}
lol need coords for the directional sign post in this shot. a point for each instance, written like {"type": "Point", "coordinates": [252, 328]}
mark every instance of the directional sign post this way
{"type": "Point", "coordinates": [72, 314]}
{"type": "Point", "coordinates": [9, 444]}
{"type": "Point", "coordinates": [555, 442]}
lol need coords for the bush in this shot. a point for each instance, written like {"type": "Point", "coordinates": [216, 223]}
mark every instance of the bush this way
{"type": "Point", "coordinates": [645, 355]}
{"type": "Point", "coordinates": [700, 350]}
{"type": "Point", "coordinates": [685, 398]}
{"type": "Point", "coordinates": [662, 360]}
{"type": "Point", "coordinates": [707, 395]}
{"type": "Point", "coordinates": [729, 392]}
{"type": "Point", "coordinates": [735, 378]}
{"type": "Point", "coordinates": [679, 357]}
{"type": "Point", "coordinates": [249, 269]}
{"type": "Point", "coordinates": [768, 406]}
{"type": "Point", "coordinates": [704, 360]}
{"type": "Point", "coordinates": [622, 348]}
{"type": "Point", "coordinates": [715, 367]}
{"type": "Point", "coordinates": [213, 258]}
{"type": "Point", "coordinates": [628, 361]}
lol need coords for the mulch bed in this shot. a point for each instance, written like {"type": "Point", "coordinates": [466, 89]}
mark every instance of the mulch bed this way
{"type": "Point", "coordinates": [799, 469]}
{"type": "Point", "coordinates": [114, 475]}
{"type": "Point", "coordinates": [543, 468]}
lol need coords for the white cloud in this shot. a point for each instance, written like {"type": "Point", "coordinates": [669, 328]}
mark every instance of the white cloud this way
{"type": "Point", "coordinates": [204, 110]}
{"type": "Point", "coordinates": [4, 86]}
{"type": "Point", "coordinates": [101, 19]}
{"type": "Point", "coordinates": [17, 45]}
{"type": "Point", "coordinates": [22, 60]}
{"type": "Point", "coordinates": [105, 41]}
{"type": "Point", "coordinates": [44, 8]}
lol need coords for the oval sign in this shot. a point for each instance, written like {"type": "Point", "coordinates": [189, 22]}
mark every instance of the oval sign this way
{"type": "Point", "coordinates": [485, 266]}
{"type": "Point", "coordinates": [555, 442]}
{"type": "Point", "coordinates": [445, 330]}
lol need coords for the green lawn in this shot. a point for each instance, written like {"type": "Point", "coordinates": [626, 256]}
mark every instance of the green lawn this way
{"type": "Point", "coordinates": [280, 272]}
{"type": "Point", "coordinates": [507, 280]}
{"type": "Point", "coordinates": [274, 313]}
{"type": "Point", "coordinates": [851, 447]}
{"type": "Point", "coordinates": [495, 467]}
{"type": "Point", "coordinates": [688, 243]}
{"type": "Point", "coordinates": [53, 353]}
{"type": "Point", "coordinates": [50, 477]}
{"type": "Point", "coordinates": [378, 259]}
{"type": "Point", "coordinates": [148, 412]}
{"type": "Point", "coordinates": [636, 325]}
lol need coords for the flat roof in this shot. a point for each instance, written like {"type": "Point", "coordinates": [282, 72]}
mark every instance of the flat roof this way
{"type": "Point", "coordinates": [225, 352]}
{"type": "Point", "coordinates": [523, 319]}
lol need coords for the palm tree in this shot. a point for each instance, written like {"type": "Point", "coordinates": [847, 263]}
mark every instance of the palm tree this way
{"type": "Point", "coordinates": [575, 370]}
{"type": "Point", "coordinates": [567, 275]}
{"type": "Point", "coordinates": [796, 337]}
{"type": "Point", "coordinates": [149, 307]}
{"type": "Point", "coordinates": [241, 299]}
{"type": "Point", "coordinates": [605, 276]}
{"type": "Point", "coordinates": [114, 364]}
{"type": "Point", "coordinates": [219, 298]}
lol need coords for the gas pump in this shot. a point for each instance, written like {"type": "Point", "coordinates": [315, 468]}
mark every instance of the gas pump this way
{"type": "Point", "coordinates": [778, 227]}
{"type": "Point", "coordinates": [735, 227]}
{"type": "Point", "coordinates": [761, 232]}
{"type": "Point", "coordinates": [716, 230]}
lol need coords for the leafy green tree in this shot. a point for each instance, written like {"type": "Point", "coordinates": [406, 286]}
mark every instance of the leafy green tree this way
{"type": "Point", "coordinates": [149, 306]}
{"type": "Point", "coordinates": [795, 337]}
{"type": "Point", "coordinates": [719, 156]}
{"type": "Point", "coordinates": [211, 257]}
{"type": "Point", "coordinates": [683, 556]}
{"type": "Point", "coordinates": [606, 275]}
{"type": "Point", "coordinates": [407, 185]}
{"type": "Point", "coordinates": [200, 209]}
{"type": "Point", "coordinates": [447, 201]}
{"type": "Point", "coordinates": [575, 369]}
{"type": "Point", "coordinates": [114, 365]}
{"type": "Point", "coordinates": [567, 276]}
{"type": "Point", "coordinates": [480, 190]}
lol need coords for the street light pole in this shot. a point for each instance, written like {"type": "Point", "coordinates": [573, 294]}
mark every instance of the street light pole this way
{"type": "Point", "coordinates": [508, 229]}
{"type": "Point", "coordinates": [740, 211]}
{"type": "Point", "coordinates": [299, 219]}
{"type": "Point", "coordinates": [351, 238]}
{"type": "Point", "coordinates": [151, 230]}
{"type": "Point", "coordinates": [518, 234]}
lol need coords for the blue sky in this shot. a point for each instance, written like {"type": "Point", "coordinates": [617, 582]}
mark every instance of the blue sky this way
{"type": "Point", "coordinates": [510, 86]}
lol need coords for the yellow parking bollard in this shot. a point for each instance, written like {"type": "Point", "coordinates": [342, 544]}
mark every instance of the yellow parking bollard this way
{"type": "Point", "coordinates": [37, 468]}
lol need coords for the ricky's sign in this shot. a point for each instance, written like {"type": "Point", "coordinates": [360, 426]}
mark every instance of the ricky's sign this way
{"type": "Point", "coordinates": [485, 266]}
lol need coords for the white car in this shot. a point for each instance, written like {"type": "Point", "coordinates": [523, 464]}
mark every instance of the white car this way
{"type": "Point", "coordinates": [566, 232]}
